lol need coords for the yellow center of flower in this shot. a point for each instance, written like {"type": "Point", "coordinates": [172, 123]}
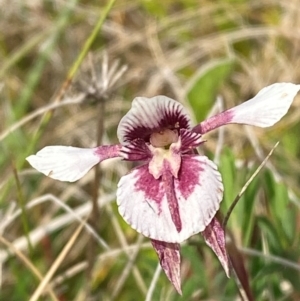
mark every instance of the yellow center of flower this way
{"type": "Point", "coordinates": [164, 138]}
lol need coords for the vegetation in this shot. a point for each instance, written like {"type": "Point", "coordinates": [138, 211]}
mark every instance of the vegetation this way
{"type": "Point", "coordinates": [69, 72]}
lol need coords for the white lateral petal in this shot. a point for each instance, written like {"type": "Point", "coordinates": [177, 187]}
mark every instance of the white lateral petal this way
{"type": "Point", "coordinates": [267, 107]}
{"type": "Point", "coordinates": [142, 201]}
{"type": "Point", "coordinates": [64, 163]}
{"type": "Point", "coordinates": [151, 114]}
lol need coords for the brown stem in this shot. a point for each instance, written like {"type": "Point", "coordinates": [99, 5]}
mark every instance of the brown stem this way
{"type": "Point", "coordinates": [95, 213]}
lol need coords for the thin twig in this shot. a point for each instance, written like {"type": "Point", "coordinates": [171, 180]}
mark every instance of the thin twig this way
{"type": "Point", "coordinates": [28, 263]}
{"type": "Point", "coordinates": [129, 266]}
{"type": "Point", "coordinates": [87, 45]}
{"type": "Point", "coordinates": [162, 63]}
{"type": "Point", "coordinates": [95, 212]}
{"type": "Point", "coordinates": [20, 197]}
{"type": "Point", "coordinates": [122, 239]}
{"type": "Point", "coordinates": [153, 283]}
{"type": "Point", "coordinates": [279, 260]}
{"type": "Point", "coordinates": [74, 270]}
{"type": "Point", "coordinates": [39, 112]}
{"type": "Point", "coordinates": [246, 186]}
{"type": "Point", "coordinates": [259, 151]}
{"type": "Point", "coordinates": [241, 290]}
{"type": "Point", "coordinates": [56, 264]}
{"type": "Point", "coordinates": [38, 233]}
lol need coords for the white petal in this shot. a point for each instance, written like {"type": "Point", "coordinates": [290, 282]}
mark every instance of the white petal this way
{"type": "Point", "coordinates": [142, 201]}
{"type": "Point", "coordinates": [64, 163]}
{"type": "Point", "coordinates": [148, 115]}
{"type": "Point", "coordinates": [267, 107]}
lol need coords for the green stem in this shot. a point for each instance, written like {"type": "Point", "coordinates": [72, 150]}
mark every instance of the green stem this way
{"type": "Point", "coordinates": [87, 45]}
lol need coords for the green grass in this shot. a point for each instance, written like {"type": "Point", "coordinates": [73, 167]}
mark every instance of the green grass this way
{"type": "Point", "coordinates": [192, 51]}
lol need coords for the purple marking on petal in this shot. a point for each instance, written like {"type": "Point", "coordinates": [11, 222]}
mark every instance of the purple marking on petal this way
{"type": "Point", "coordinates": [168, 181]}
{"type": "Point", "coordinates": [155, 189]}
{"type": "Point", "coordinates": [135, 150]}
{"type": "Point", "coordinates": [214, 122]}
{"type": "Point", "coordinates": [189, 140]}
{"type": "Point", "coordinates": [214, 237]}
{"type": "Point", "coordinates": [189, 175]}
{"type": "Point", "coordinates": [169, 258]}
{"type": "Point", "coordinates": [144, 204]}
{"type": "Point", "coordinates": [108, 151]}
{"type": "Point", "coordinates": [149, 115]}
{"type": "Point", "coordinates": [159, 155]}
{"type": "Point", "coordinates": [151, 187]}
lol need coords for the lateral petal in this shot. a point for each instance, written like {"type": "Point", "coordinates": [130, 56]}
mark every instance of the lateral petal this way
{"type": "Point", "coordinates": [267, 107]}
{"type": "Point", "coordinates": [264, 110]}
{"type": "Point", "coordinates": [148, 115]}
{"type": "Point", "coordinates": [143, 203]}
{"type": "Point", "coordinates": [214, 237]}
{"type": "Point", "coordinates": [135, 150]}
{"type": "Point", "coordinates": [169, 258]}
{"type": "Point", "coordinates": [189, 140]}
{"type": "Point", "coordinates": [67, 163]}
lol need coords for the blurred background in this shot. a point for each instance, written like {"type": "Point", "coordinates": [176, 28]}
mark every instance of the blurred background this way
{"type": "Point", "coordinates": [69, 71]}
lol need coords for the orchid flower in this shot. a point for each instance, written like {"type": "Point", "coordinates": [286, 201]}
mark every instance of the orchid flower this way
{"type": "Point", "coordinates": [175, 193]}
